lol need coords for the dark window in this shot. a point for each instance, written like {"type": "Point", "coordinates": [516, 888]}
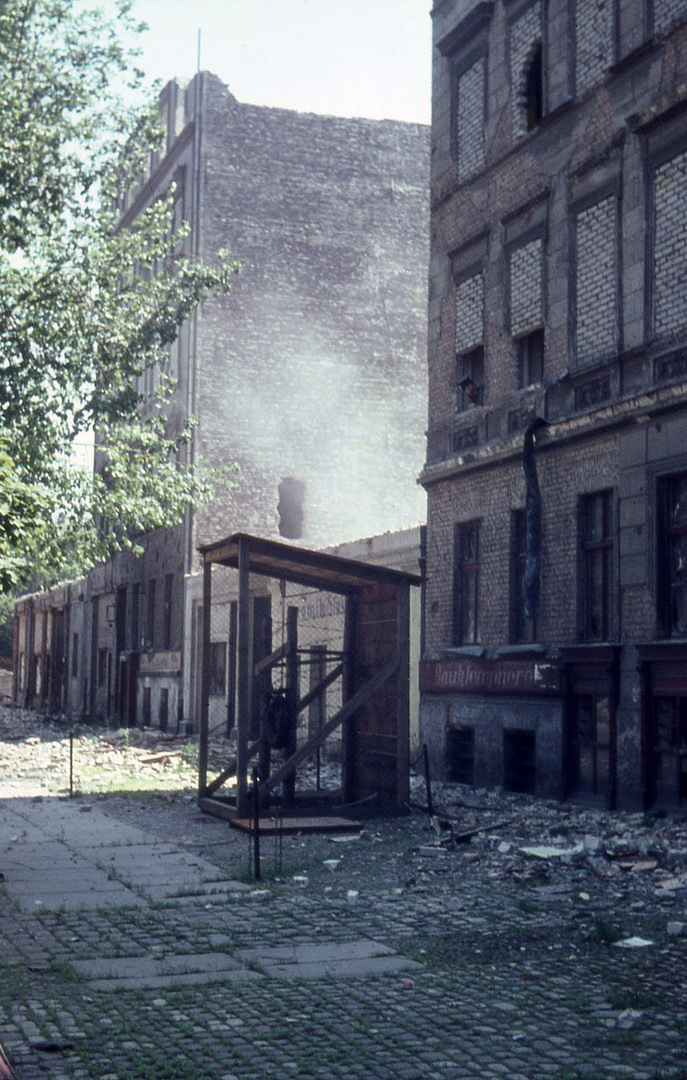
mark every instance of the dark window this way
{"type": "Point", "coordinates": [135, 609]}
{"type": "Point", "coordinates": [519, 761]}
{"type": "Point", "coordinates": [591, 736]}
{"type": "Point", "coordinates": [163, 710]}
{"type": "Point", "coordinates": [150, 626]}
{"type": "Point", "coordinates": [522, 630]}
{"type": "Point", "coordinates": [218, 667]}
{"type": "Point", "coordinates": [530, 349]}
{"type": "Point", "coordinates": [75, 655]}
{"type": "Point", "coordinates": [470, 379]}
{"type": "Point", "coordinates": [533, 87]}
{"type": "Point", "coordinates": [596, 524]}
{"type": "Point", "coordinates": [290, 507]}
{"type": "Point", "coordinates": [167, 612]}
{"type": "Point", "coordinates": [672, 552]}
{"type": "Point", "coordinates": [460, 754]}
{"type": "Point", "coordinates": [466, 583]}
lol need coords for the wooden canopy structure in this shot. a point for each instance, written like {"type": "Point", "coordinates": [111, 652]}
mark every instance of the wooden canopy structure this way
{"type": "Point", "coordinates": [373, 668]}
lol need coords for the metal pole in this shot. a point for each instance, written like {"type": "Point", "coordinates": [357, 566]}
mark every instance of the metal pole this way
{"type": "Point", "coordinates": [256, 825]}
{"type": "Point", "coordinates": [71, 764]}
{"type": "Point", "coordinates": [428, 784]}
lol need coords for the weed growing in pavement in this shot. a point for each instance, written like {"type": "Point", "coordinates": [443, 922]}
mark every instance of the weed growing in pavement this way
{"type": "Point", "coordinates": [631, 997]}
{"type": "Point", "coordinates": [604, 931]}
{"type": "Point", "coordinates": [65, 970]}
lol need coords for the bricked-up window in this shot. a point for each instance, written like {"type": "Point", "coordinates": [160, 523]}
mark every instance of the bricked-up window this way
{"type": "Point", "coordinates": [670, 243]}
{"type": "Point", "coordinates": [665, 13]}
{"type": "Point", "coordinates": [522, 630]}
{"type": "Point", "coordinates": [167, 612]}
{"type": "Point", "coordinates": [526, 70]}
{"type": "Point", "coordinates": [525, 272]}
{"type": "Point", "coordinates": [470, 119]}
{"type": "Point", "coordinates": [530, 350]}
{"type": "Point", "coordinates": [672, 555]}
{"type": "Point", "coordinates": [150, 622]}
{"type": "Point", "coordinates": [470, 379]}
{"type": "Point", "coordinates": [466, 569]}
{"type": "Point", "coordinates": [596, 594]}
{"type": "Point", "coordinates": [596, 282]}
{"type": "Point", "coordinates": [593, 42]}
{"type": "Point", "coordinates": [218, 668]}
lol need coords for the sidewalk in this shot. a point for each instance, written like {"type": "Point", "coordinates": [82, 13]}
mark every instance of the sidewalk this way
{"type": "Point", "coordinates": [128, 955]}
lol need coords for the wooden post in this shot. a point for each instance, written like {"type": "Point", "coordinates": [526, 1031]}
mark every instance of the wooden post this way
{"type": "Point", "coordinates": [348, 687]}
{"type": "Point", "coordinates": [203, 718]}
{"type": "Point", "coordinates": [403, 696]}
{"type": "Point", "coordinates": [231, 669]}
{"type": "Point", "coordinates": [244, 683]}
{"type": "Point", "coordinates": [289, 786]}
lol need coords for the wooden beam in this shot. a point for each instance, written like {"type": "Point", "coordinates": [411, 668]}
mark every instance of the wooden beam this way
{"type": "Point", "coordinates": [347, 710]}
{"type": "Point", "coordinates": [204, 683]}
{"type": "Point", "coordinates": [230, 770]}
{"type": "Point", "coordinates": [269, 661]}
{"type": "Point", "coordinates": [333, 675]}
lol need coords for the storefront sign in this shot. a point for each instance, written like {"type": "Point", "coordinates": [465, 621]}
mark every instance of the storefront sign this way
{"type": "Point", "coordinates": [469, 676]}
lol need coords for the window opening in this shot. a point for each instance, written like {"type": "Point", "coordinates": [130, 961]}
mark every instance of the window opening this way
{"type": "Point", "coordinates": [460, 754]}
{"type": "Point", "coordinates": [597, 550]}
{"type": "Point", "coordinates": [290, 508]}
{"type": "Point", "coordinates": [530, 349]}
{"type": "Point", "coordinates": [674, 551]}
{"type": "Point", "coordinates": [670, 750]}
{"type": "Point", "coordinates": [218, 667]}
{"type": "Point", "coordinates": [466, 583]}
{"type": "Point", "coordinates": [470, 379]}
{"type": "Point", "coordinates": [591, 745]}
{"type": "Point", "coordinates": [522, 629]}
{"type": "Point", "coordinates": [534, 87]}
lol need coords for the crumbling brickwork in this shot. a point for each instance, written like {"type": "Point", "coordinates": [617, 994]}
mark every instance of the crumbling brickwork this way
{"type": "Point", "coordinates": [525, 32]}
{"type": "Point", "coordinates": [593, 42]}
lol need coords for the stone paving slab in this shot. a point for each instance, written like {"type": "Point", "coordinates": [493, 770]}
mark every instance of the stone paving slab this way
{"type": "Point", "coordinates": [348, 959]}
{"type": "Point", "coordinates": [142, 967]}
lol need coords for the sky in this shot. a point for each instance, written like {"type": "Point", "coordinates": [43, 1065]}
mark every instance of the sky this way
{"type": "Point", "coordinates": [367, 58]}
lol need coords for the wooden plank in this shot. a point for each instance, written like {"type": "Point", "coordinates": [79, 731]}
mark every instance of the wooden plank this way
{"type": "Point", "coordinates": [363, 695]}
{"type": "Point", "coordinates": [269, 661]}
{"type": "Point", "coordinates": [291, 826]}
{"type": "Point", "coordinates": [230, 770]}
{"type": "Point", "coordinates": [317, 690]}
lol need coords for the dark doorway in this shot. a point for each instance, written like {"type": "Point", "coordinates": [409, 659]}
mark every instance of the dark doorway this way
{"type": "Point", "coordinates": [519, 761]}
{"type": "Point", "coordinates": [669, 751]}
{"type": "Point", "coordinates": [460, 754]}
{"type": "Point", "coordinates": [591, 741]}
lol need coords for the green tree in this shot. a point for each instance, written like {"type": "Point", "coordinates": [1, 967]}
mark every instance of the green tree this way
{"type": "Point", "coordinates": [85, 307]}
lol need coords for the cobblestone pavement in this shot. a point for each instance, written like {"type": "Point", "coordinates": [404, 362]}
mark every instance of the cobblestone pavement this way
{"type": "Point", "coordinates": [522, 967]}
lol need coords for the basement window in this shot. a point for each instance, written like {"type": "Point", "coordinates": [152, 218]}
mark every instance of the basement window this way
{"type": "Point", "coordinates": [533, 87]}
{"type": "Point", "coordinates": [290, 508]}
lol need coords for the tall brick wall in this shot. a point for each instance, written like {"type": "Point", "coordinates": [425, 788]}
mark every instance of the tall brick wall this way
{"type": "Point", "coordinates": [314, 366]}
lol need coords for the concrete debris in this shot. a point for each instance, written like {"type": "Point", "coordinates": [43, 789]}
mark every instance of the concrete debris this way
{"type": "Point", "coordinates": [675, 928]}
{"type": "Point", "coordinates": [552, 852]}
{"type": "Point", "coordinates": [633, 943]}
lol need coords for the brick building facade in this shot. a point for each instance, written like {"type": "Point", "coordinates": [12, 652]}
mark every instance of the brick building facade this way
{"type": "Point", "coordinates": [557, 436]}
{"type": "Point", "coordinates": [310, 375]}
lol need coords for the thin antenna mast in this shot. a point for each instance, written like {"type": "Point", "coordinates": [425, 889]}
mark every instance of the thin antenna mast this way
{"type": "Point", "coordinates": [198, 53]}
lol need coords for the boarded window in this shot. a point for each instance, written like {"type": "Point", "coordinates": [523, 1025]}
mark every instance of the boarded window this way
{"type": "Point", "coordinates": [596, 524]}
